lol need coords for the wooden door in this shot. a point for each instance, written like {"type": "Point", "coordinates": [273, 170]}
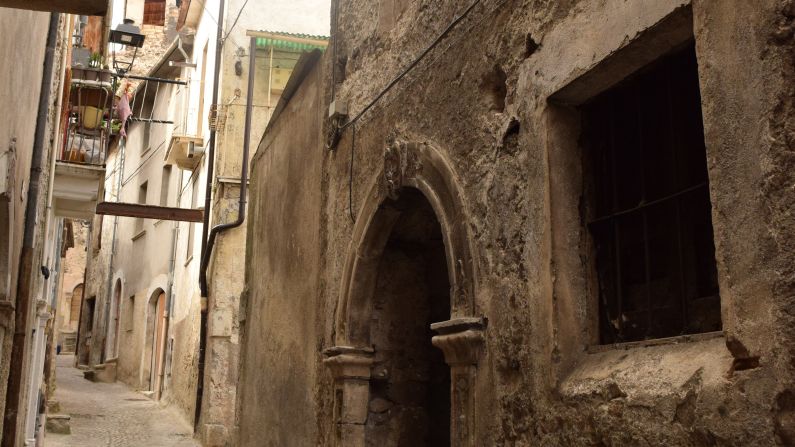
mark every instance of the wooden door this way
{"type": "Point", "coordinates": [160, 343]}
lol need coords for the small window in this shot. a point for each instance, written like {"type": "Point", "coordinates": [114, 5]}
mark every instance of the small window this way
{"type": "Point", "coordinates": [648, 205]}
{"type": "Point", "coordinates": [142, 192]}
{"type": "Point", "coordinates": [154, 12]}
{"type": "Point", "coordinates": [165, 185]}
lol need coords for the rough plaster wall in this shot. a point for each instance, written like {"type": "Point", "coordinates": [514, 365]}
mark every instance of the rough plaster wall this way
{"type": "Point", "coordinates": [284, 306]}
{"type": "Point", "coordinates": [752, 128]}
{"type": "Point", "coordinates": [17, 26]}
{"type": "Point", "coordinates": [72, 270]}
{"type": "Point", "coordinates": [537, 384]}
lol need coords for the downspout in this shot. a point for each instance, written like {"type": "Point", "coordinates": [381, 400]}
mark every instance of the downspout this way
{"type": "Point", "coordinates": [219, 45]}
{"type": "Point", "coordinates": [25, 281]}
{"type": "Point", "coordinates": [241, 216]}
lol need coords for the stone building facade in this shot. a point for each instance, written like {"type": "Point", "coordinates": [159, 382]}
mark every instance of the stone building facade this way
{"type": "Point", "coordinates": [157, 348]}
{"type": "Point", "coordinates": [70, 288]}
{"type": "Point", "coordinates": [540, 223]}
{"type": "Point", "coordinates": [31, 239]}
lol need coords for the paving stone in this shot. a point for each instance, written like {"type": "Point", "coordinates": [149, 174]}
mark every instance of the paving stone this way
{"type": "Point", "coordinates": [112, 414]}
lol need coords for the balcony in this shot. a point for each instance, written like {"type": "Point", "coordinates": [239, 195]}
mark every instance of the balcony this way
{"type": "Point", "coordinates": [80, 167]}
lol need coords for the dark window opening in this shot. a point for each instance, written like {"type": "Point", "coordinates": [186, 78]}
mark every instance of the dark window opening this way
{"type": "Point", "coordinates": [648, 205]}
{"type": "Point", "coordinates": [155, 12]}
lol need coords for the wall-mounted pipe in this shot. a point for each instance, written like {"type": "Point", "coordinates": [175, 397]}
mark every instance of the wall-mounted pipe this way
{"type": "Point", "coordinates": [219, 45]}
{"type": "Point", "coordinates": [241, 217]}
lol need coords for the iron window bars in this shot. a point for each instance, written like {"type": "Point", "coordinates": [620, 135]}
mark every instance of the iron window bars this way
{"type": "Point", "coordinates": [648, 206]}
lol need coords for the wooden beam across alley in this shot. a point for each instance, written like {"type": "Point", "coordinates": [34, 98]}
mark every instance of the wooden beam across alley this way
{"type": "Point", "coordinates": [149, 211]}
{"type": "Point", "coordinates": [82, 7]}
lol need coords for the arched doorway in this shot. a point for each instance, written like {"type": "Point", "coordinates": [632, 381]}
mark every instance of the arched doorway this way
{"type": "Point", "coordinates": [409, 274]}
{"type": "Point", "coordinates": [409, 401]}
{"type": "Point", "coordinates": [74, 306]}
{"type": "Point", "coordinates": [112, 345]}
{"type": "Point", "coordinates": [157, 327]}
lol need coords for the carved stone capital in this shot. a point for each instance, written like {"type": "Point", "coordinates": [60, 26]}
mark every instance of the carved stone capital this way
{"type": "Point", "coordinates": [347, 362]}
{"type": "Point", "coordinates": [461, 340]}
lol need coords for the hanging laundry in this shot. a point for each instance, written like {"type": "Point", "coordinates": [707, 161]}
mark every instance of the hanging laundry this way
{"type": "Point", "coordinates": [123, 110]}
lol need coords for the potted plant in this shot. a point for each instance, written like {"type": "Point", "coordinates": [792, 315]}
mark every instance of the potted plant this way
{"type": "Point", "coordinates": [106, 75]}
{"type": "Point", "coordinates": [78, 74]}
{"type": "Point", "coordinates": [95, 61]}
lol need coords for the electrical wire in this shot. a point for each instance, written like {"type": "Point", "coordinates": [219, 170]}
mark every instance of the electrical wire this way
{"type": "Point", "coordinates": [401, 75]}
{"type": "Point", "coordinates": [350, 183]}
{"type": "Point", "coordinates": [413, 63]}
{"type": "Point", "coordinates": [231, 28]}
{"type": "Point", "coordinates": [141, 165]}
{"type": "Point", "coordinates": [223, 41]}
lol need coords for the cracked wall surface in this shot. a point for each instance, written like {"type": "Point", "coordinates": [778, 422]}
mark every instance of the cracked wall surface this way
{"type": "Point", "coordinates": [482, 96]}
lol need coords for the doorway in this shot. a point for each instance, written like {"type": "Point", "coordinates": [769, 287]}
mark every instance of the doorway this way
{"type": "Point", "coordinates": [157, 330]}
{"type": "Point", "coordinates": [87, 327]}
{"type": "Point", "coordinates": [409, 403]}
{"type": "Point", "coordinates": [113, 324]}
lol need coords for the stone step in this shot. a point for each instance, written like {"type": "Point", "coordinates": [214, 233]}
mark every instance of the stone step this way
{"type": "Point", "coordinates": [59, 423]}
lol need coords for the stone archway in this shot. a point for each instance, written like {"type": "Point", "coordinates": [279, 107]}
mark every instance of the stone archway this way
{"type": "Point", "coordinates": [155, 343]}
{"type": "Point", "coordinates": [413, 174]}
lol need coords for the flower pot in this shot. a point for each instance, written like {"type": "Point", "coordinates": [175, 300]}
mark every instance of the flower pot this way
{"type": "Point", "coordinates": [78, 73]}
{"type": "Point", "coordinates": [91, 117]}
{"type": "Point", "coordinates": [105, 76]}
{"type": "Point", "coordinates": [92, 74]}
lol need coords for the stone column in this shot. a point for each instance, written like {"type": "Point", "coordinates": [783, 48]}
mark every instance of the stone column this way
{"type": "Point", "coordinates": [350, 368]}
{"type": "Point", "coordinates": [461, 340]}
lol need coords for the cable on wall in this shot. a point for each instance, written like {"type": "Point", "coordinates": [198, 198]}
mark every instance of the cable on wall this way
{"type": "Point", "coordinates": [395, 81]}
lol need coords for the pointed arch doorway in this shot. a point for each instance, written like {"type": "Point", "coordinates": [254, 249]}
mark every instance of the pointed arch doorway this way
{"type": "Point", "coordinates": [409, 275]}
{"type": "Point", "coordinates": [156, 331]}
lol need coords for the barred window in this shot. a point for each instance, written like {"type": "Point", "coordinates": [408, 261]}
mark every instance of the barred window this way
{"type": "Point", "coordinates": [648, 206]}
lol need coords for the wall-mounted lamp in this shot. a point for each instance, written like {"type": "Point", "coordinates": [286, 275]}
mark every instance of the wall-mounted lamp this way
{"type": "Point", "coordinates": [129, 35]}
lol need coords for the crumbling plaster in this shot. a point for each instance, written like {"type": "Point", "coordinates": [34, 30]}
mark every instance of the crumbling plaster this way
{"type": "Point", "coordinates": [540, 379]}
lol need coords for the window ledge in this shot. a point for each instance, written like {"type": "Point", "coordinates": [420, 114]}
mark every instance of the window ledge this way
{"type": "Point", "coordinates": [159, 221]}
{"type": "Point", "coordinates": [647, 373]}
{"type": "Point", "coordinates": [138, 235]}
{"type": "Point", "coordinates": [655, 342]}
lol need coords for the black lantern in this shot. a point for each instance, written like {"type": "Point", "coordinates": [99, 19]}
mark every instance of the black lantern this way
{"type": "Point", "coordinates": [128, 35]}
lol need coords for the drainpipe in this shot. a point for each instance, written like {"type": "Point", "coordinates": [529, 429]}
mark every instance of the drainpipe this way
{"type": "Point", "coordinates": [25, 283]}
{"type": "Point", "coordinates": [219, 45]}
{"type": "Point", "coordinates": [241, 216]}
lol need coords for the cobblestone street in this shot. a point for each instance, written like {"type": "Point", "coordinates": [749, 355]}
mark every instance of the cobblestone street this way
{"type": "Point", "coordinates": [112, 415]}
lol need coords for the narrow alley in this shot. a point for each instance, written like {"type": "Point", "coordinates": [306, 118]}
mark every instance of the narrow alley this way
{"type": "Point", "coordinates": [111, 414]}
{"type": "Point", "coordinates": [397, 223]}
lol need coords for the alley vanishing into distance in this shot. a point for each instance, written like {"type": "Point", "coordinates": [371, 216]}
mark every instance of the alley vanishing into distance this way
{"type": "Point", "coordinates": [397, 223]}
{"type": "Point", "coordinates": [112, 414]}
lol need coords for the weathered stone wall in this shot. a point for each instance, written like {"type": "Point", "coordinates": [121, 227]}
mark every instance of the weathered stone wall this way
{"type": "Point", "coordinates": [482, 99]}
{"type": "Point", "coordinates": [73, 267]}
{"type": "Point", "coordinates": [284, 306]}
{"type": "Point", "coordinates": [16, 146]}
{"type": "Point", "coordinates": [30, 28]}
